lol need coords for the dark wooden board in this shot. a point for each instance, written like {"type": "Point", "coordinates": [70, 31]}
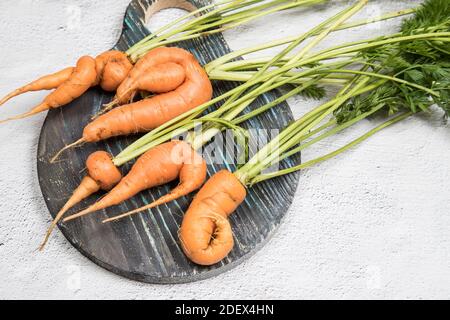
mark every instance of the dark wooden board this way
{"type": "Point", "coordinates": [146, 247]}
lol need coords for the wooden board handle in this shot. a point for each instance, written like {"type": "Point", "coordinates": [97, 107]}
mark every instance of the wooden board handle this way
{"type": "Point", "coordinates": [139, 12]}
{"type": "Point", "coordinates": [158, 5]}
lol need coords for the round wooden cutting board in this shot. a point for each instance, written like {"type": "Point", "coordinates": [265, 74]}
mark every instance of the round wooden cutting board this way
{"type": "Point", "coordinates": [145, 247]}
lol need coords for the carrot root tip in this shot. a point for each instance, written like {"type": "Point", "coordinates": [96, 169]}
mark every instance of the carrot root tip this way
{"type": "Point", "coordinates": [106, 108]}
{"type": "Point", "coordinates": [7, 97]}
{"type": "Point", "coordinates": [47, 235]}
{"type": "Point", "coordinates": [74, 144]}
{"type": "Point", "coordinates": [21, 116]}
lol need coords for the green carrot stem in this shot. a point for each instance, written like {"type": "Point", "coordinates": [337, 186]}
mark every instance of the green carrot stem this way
{"type": "Point", "coordinates": [382, 76]}
{"type": "Point", "coordinates": [245, 76]}
{"type": "Point", "coordinates": [219, 16]}
{"type": "Point", "coordinates": [329, 25]}
{"type": "Point", "coordinates": [191, 33]}
{"type": "Point", "coordinates": [263, 177]}
{"type": "Point", "coordinates": [346, 48]}
{"type": "Point", "coordinates": [292, 129]}
{"type": "Point", "coordinates": [327, 134]}
{"type": "Point", "coordinates": [238, 53]}
{"type": "Point", "coordinates": [325, 54]}
{"type": "Point", "coordinates": [356, 48]}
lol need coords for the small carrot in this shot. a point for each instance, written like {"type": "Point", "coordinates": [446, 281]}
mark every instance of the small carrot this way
{"type": "Point", "coordinates": [112, 68]}
{"type": "Point", "coordinates": [102, 174]}
{"type": "Point", "coordinates": [161, 78]}
{"type": "Point", "coordinates": [157, 79]}
{"type": "Point", "coordinates": [156, 167]}
{"type": "Point", "coordinates": [205, 234]}
{"type": "Point", "coordinates": [108, 70]}
{"type": "Point", "coordinates": [153, 58]}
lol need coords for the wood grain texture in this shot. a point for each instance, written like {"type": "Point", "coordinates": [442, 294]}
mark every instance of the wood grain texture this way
{"type": "Point", "coordinates": [145, 247]}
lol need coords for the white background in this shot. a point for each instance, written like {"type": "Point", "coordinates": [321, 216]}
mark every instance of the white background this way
{"type": "Point", "coordinates": [371, 223]}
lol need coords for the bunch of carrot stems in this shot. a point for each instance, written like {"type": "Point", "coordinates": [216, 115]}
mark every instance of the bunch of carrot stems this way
{"type": "Point", "coordinates": [225, 15]}
{"type": "Point", "coordinates": [237, 99]}
{"type": "Point", "coordinates": [214, 18]}
{"type": "Point", "coordinates": [288, 141]}
{"type": "Point", "coordinates": [311, 69]}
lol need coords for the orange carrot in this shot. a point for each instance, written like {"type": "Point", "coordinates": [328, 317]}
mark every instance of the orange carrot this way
{"type": "Point", "coordinates": [108, 70]}
{"type": "Point", "coordinates": [157, 166]}
{"type": "Point", "coordinates": [112, 68]}
{"type": "Point", "coordinates": [150, 113]}
{"type": "Point", "coordinates": [153, 58]}
{"type": "Point", "coordinates": [191, 176]}
{"type": "Point", "coordinates": [79, 81]}
{"type": "Point", "coordinates": [161, 78]}
{"type": "Point", "coordinates": [157, 79]}
{"type": "Point", "coordinates": [205, 234]}
{"type": "Point", "coordinates": [47, 82]}
{"type": "Point", "coordinates": [102, 174]}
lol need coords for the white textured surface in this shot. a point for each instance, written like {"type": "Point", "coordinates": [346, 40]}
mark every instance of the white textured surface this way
{"type": "Point", "coordinates": [372, 223]}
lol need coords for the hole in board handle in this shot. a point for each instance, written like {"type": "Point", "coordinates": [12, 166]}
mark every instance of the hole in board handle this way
{"type": "Point", "coordinates": [157, 11]}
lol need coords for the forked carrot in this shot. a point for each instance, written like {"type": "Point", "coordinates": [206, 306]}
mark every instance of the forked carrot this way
{"type": "Point", "coordinates": [47, 82]}
{"type": "Point", "coordinates": [157, 166]}
{"type": "Point", "coordinates": [108, 70]}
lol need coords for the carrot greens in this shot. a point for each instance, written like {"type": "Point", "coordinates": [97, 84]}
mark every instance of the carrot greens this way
{"type": "Point", "coordinates": [423, 68]}
{"type": "Point", "coordinates": [213, 18]}
{"type": "Point", "coordinates": [395, 76]}
{"type": "Point", "coordinates": [405, 70]}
